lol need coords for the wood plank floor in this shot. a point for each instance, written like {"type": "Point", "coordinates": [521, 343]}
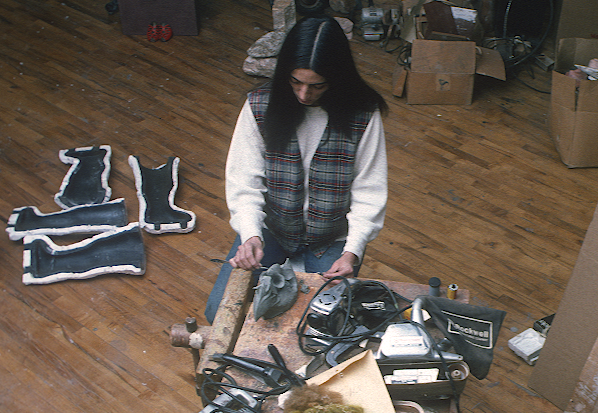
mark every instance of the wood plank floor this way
{"type": "Point", "coordinates": [478, 197]}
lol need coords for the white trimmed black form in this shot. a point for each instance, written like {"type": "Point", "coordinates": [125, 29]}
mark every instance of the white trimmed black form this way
{"type": "Point", "coordinates": [117, 246]}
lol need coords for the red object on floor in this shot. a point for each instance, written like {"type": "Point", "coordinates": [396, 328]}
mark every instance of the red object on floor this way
{"type": "Point", "coordinates": [180, 14]}
{"type": "Point", "coordinates": [166, 32]}
{"type": "Point", "coordinates": [153, 32]}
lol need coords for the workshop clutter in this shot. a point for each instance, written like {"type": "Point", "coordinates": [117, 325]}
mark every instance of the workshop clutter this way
{"type": "Point", "coordinates": [574, 103]}
{"type": "Point", "coordinates": [353, 338]}
{"type": "Point", "coordinates": [529, 343]}
{"type": "Point", "coordinates": [439, 71]}
{"type": "Point", "coordinates": [443, 54]}
{"type": "Point", "coordinates": [354, 386]}
{"type": "Point", "coordinates": [360, 383]}
{"type": "Point", "coordinates": [449, 22]}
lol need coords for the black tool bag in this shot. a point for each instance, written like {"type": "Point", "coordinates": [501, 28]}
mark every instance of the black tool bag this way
{"type": "Point", "coordinates": [372, 304]}
{"type": "Point", "coordinates": [472, 330]}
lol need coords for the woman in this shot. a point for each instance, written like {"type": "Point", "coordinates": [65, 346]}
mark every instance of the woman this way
{"type": "Point", "coordinates": [306, 174]}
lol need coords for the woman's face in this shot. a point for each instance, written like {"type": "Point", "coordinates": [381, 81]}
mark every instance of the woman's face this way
{"type": "Point", "coordinates": [308, 86]}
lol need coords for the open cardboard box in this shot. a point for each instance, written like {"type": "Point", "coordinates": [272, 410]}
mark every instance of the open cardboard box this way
{"type": "Point", "coordinates": [577, 18]}
{"type": "Point", "coordinates": [442, 72]}
{"type": "Point", "coordinates": [574, 109]}
{"type": "Point", "coordinates": [568, 364]}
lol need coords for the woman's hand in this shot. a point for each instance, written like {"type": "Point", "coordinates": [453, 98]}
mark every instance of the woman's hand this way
{"type": "Point", "coordinates": [342, 267]}
{"type": "Point", "coordinates": [249, 254]}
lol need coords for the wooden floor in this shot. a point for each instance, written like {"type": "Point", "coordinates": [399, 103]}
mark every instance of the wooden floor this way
{"type": "Point", "coordinates": [478, 197]}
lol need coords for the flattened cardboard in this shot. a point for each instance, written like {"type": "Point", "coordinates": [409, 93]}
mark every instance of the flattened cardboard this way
{"type": "Point", "coordinates": [360, 382]}
{"type": "Point", "coordinates": [574, 331]}
{"type": "Point", "coordinates": [399, 77]}
{"type": "Point", "coordinates": [489, 62]}
{"type": "Point", "coordinates": [573, 121]}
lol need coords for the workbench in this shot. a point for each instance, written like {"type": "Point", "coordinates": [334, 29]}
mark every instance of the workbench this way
{"type": "Point", "coordinates": [234, 329]}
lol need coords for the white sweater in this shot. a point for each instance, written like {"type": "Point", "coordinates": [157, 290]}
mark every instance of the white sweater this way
{"type": "Point", "coordinates": [245, 177]}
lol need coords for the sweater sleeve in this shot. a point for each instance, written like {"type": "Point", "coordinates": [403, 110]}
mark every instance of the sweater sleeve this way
{"type": "Point", "coordinates": [369, 190]}
{"type": "Point", "coordinates": [245, 177]}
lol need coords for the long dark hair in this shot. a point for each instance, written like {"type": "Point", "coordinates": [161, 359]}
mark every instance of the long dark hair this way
{"type": "Point", "coordinates": [318, 44]}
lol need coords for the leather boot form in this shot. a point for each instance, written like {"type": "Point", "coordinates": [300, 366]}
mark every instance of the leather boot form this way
{"type": "Point", "coordinates": [156, 189]}
{"type": "Point", "coordinates": [86, 182]}
{"type": "Point", "coordinates": [120, 251]}
{"type": "Point", "coordinates": [88, 219]}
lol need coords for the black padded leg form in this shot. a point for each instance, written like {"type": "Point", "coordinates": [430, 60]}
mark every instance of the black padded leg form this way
{"type": "Point", "coordinates": [120, 251]}
{"type": "Point", "coordinates": [156, 189]}
{"type": "Point", "coordinates": [86, 182]}
{"type": "Point", "coordinates": [87, 219]}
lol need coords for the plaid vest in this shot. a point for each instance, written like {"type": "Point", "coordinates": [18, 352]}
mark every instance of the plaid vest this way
{"type": "Point", "coordinates": [330, 179]}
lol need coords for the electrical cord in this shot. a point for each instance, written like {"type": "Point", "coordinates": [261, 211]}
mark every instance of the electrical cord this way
{"type": "Point", "coordinates": [213, 381]}
{"type": "Point", "coordinates": [514, 61]}
{"type": "Point", "coordinates": [547, 92]}
{"type": "Point", "coordinates": [404, 56]}
{"type": "Point", "coordinates": [392, 33]}
{"type": "Point", "coordinates": [530, 71]}
{"type": "Point", "coordinates": [302, 325]}
{"type": "Point", "coordinates": [217, 381]}
{"type": "Point", "coordinates": [348, 318]}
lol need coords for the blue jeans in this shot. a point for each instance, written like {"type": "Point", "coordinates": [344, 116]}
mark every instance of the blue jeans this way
{"type": "Point", "coordinates": [273, 253]}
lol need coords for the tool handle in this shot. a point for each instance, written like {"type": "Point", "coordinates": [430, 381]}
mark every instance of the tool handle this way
{"type": "Point", "coordinates": [236, 361]}
{"type": "Point", "coordinates": [276, 356]}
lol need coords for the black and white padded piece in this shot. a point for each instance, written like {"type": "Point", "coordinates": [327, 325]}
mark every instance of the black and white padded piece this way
{"type": "Point", "coordinates": [120, 251]}
{"type": "Point", "coordinates": [156, 190]}
{"type": "Point", "coordinates": [86, 182]}
{"type": "Point", "coordinates": [82, 219]}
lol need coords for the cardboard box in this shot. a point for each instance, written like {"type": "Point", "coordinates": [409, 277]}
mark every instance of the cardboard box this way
{"type": "Point", "coordinates": [442, 72]}
{"type": "Point", "coordinates": [578, 18]}
{"type": "Point", "coordinates": [452, 22]}
{"type": "Point", "coordinates": [574, 330]}
{"type": "Point", "coordinates": [573, 120]}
